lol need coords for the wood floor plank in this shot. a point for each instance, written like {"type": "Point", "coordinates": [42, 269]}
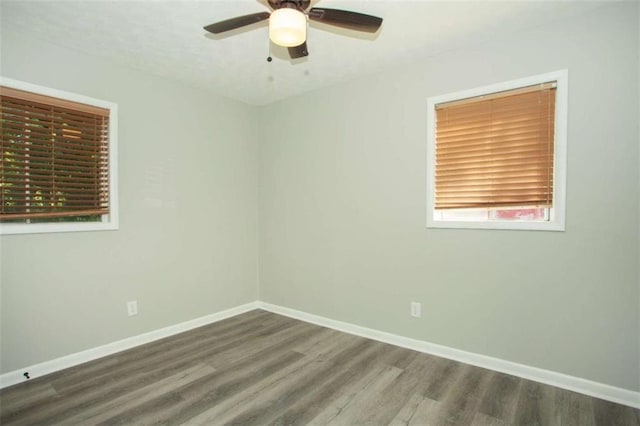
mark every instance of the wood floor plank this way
{"type": "Point", "coordinates": [286, 390]}
{"type": "Point", "coordinates": [418, 411]}
{"type": "Point", "coordinates": [260, 368]}
{"type": "Point", "coordinates": [146, 413]}
{"type": "Point", "coordinates": [535, 405]}
{"type": "Point", "coordinates": [408, 410]}
{"type": "Point", "coordinates": [481, 419]}
{"type": "Point", "coordinates": [201, 395]}
{"type": "Point", "coordinates": [230, 354]}
{"type": "Point", "coordinates": [108, 409]}
{"type": "Point", "coordinates": [612, 414]}
{"type": "Point", "coordinates": [501, 397]}
{"type": "Point", "coordinates": [462, 400]}
{"type": "Point", "coordinates": [312, 346]}
{"type": "Point", "coordinates": [386, 404]}
{"type": "Point", "coordinates": [31, 393]}
{"type": "Point", "coordinates": [347, 408]}
{"type": "Point", "coordinates": [308, 402]}
{"type": "Point", "coordinates": [231, 379]}
{"type": "Point", "coordinates": [342, 380]}
{"type": "Point", "coordinates": [442, 377]}
{"type": "Point", "coordinates": [573, 409]}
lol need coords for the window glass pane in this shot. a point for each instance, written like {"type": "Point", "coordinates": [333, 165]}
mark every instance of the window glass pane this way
{"type": "Point", "coordinates": [524, 213]}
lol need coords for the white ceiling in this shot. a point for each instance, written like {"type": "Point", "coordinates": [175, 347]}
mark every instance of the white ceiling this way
{"type": "Point", "coordinates": [166, 38]}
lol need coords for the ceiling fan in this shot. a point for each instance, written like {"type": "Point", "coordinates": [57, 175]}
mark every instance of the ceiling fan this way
{"type": "Point", "coordinates": [288, 23]}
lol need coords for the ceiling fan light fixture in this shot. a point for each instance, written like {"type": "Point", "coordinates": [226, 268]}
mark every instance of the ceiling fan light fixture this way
{"type": "Point", "coordinates": [288, 27]}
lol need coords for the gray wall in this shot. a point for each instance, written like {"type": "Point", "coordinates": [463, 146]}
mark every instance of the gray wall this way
{"type": "Point", "coordinates": [342, 221]}
{"type": "Point", "coordinates": [187, 244]}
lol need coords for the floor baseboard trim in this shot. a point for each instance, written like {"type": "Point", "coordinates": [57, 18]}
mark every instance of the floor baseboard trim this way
{"type": "Point", "coordinates": [572, 383]}
{"type": "Point", "coordinates": [77, 358]}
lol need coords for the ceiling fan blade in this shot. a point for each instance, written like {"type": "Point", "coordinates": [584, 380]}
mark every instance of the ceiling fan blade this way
{"type": "Point", "coordinates": [346, 19]}
{"type": "Point", "coordinates": [299, 51]}
{"type": "Point", "coordinates": [240, 21]}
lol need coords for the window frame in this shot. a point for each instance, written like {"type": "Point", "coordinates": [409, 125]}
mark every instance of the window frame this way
{"type": "Point", "coordinates": [109, 221]}
{"type": "Point", "coordinates": [557, 213]}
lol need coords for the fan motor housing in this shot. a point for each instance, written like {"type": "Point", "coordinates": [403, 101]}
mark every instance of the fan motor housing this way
{"type": "Point", "coordinates": [301, 5]}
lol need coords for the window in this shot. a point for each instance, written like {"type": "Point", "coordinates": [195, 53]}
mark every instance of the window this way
{"type": "Point", "coordinates": [57, 161]}
{"type": "Point", "coordinates": [496, 156]}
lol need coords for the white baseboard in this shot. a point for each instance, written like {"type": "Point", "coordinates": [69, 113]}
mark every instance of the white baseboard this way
{"type": "Point", "coordinates": [576, 384]}
{"type": "Point", "coordinates": [77, 358]}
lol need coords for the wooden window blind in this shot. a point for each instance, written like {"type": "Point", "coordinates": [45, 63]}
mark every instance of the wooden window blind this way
{"type": "Point", "coordinates": [54, 157]}
{"type": "Point", "coordinates": [496, 150]}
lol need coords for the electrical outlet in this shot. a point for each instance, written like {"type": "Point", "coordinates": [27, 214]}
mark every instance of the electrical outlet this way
{"type": "Point", "coordinates": [415, 309]}
{"type": "Point", "coordinates": [132, 308]}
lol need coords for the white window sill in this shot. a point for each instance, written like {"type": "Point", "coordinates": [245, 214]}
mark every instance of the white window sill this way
{"type": "Point", "coordinates": [513, 225]}
{"type": "Point", "coordinates": [42, 228]}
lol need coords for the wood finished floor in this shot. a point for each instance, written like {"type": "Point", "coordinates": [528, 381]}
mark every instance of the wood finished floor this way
{"type": "Point", "coordinates": [260, 368]}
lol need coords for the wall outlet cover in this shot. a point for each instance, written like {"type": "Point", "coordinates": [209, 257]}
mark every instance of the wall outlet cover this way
{"type": "Point", "coordinates": [415, 309]}
{"type": "Point", "coordinates": [132, 308]}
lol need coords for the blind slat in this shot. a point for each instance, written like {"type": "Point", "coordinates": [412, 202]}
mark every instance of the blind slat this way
{"type": "Point", "coordinates": [29, 98]}
{"type": "Point", "coordinates": [70, 213]}
{"type": "Point", "coordinates": [480, 171]}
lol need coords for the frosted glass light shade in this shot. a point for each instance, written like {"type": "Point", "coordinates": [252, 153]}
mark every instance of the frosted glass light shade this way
{"type": "Point", "coordinates": [288, 27]}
